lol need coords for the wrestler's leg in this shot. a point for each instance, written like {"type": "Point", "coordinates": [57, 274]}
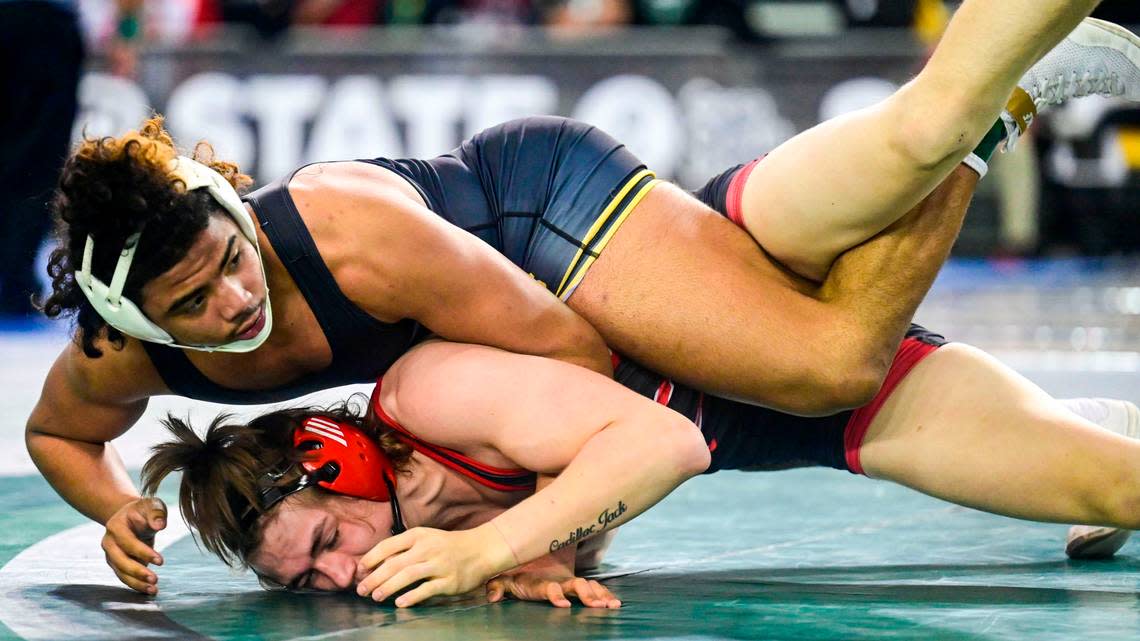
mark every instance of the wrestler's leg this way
{"type": "Point", "coordinates": [1121, 417]}
{"type": "Point", "coordinates": [965, 428]}
{"type": "Point", "coordinates": [680, 289]}
{"type": "Point", "coordinates": [842, 181]}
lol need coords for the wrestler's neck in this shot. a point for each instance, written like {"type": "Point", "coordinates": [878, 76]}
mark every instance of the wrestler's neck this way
{"type": "Point", "coordinates": [431, 495]}
{"type": "Point", "coordinates": [284, 296]}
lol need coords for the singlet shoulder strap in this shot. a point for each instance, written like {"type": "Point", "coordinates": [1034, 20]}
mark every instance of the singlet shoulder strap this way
{"type": "Point", "coordinates": [184, 379]}
{"type": "Point", "coordinates": [362, 345]}
{"type": "Point", "coordinates": [412, 171]}
{"type": "Point", "coordinates": [496, 478]}
{"type": "Point", "coordinates": [286, 231]}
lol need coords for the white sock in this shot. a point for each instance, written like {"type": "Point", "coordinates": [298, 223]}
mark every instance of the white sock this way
{"type": "Point", "coordinates": [975, 162]}
{"type": "Point", "coordinates": [1012, 131]}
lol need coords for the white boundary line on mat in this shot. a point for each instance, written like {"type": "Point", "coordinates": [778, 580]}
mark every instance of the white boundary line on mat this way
{"type": "Point", "coordinates": [72, 556]}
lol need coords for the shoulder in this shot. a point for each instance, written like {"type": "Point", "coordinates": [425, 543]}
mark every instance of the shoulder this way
{"type": "Point", "coordinates": [346, 203]}
{"type": "Point", "coordinates": [458, 389]}
{"type": "Point", "coordinates": [95, 399]}
{"type": "Point", "coordinates": [388, 253]}
{"type": "Point", "coordinates": [439, 360]}
{"type": "Point", "coordinates": [341, 192]}
{"type": "Point", "coordinates": [534, 412]}
{"type": "Point", "coordinates": [120, 375]}
{"type": "Point", "coordinates": [432, 361]}
{"type": "Point", "coordinates": [432, 384]}
{"type": "Point", "coordinates": [412, 387]}
{"type": "Point", "coordinates": [361, 218]}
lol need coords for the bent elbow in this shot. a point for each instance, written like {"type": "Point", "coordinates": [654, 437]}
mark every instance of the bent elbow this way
{"type": "Point", "coordinates": [37, 444]}
{"type": "Point", "coordinates": [689, 453]}
{"type": "Point", "coordinates": [32, 438]}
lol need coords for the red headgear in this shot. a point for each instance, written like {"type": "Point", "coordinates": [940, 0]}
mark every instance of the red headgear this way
{"type": "Point", "coordinates": [343, 459]}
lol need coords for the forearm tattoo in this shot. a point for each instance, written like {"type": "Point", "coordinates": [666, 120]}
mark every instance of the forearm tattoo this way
{"type": "Point", "coordinates": [579, 533]}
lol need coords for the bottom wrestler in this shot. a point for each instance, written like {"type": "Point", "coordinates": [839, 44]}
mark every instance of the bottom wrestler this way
{"type": "Point", "coordinates": [458, 437]}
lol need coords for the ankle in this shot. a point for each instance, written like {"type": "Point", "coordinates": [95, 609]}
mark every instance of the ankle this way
{"type": "Point", "coordinates": [930, 133]}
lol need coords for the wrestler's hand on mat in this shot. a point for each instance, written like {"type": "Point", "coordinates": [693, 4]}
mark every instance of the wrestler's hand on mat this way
{"type": "Point", "coordinates": [441, 562]}
{"type": "Point", "coordinates": [537, 585]}
{"type": "Point", "coordinates": [551, 578]}
{"type": "Point", "coordinates": [128, 543]}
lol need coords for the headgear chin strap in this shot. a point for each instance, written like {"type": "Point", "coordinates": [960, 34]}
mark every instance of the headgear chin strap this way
{"type": "Point", "coordinates": [128, 318]}
{"type": "Point", "coordinates": [341, 459]}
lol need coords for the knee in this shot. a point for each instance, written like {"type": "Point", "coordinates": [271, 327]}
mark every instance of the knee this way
{"type": "Point", "coordinates": [857, 386]}
{"type": "Point", "coordinates": [838, 387]}
{"type": "Point", "coordinates": [858, 366]}
{"type": "Point", "coordinates": [1122, 508]}
{"type": "Point", "coordinates": [841, 376]}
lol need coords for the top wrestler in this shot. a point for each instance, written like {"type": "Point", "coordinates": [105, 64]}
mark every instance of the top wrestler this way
{"type": "Point", "coordinates": [345, 245]}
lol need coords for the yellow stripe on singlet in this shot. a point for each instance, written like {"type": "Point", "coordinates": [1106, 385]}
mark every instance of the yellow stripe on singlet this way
{"type": "Point", "coordinates": [596, 250]}
{"type": "Point", "coordinates": [599, 224]}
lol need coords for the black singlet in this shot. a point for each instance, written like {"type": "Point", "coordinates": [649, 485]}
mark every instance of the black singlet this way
{"type": "Point", "coordinates": [362, 347]}
{"type": "Point", "coordinates": [546, 192]}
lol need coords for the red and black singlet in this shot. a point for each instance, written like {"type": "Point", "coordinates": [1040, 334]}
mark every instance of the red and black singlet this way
{"type": "Point", "coordinates": [496, 478]}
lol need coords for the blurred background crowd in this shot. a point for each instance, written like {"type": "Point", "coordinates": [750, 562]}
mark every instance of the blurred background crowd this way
{"type": "Point", "coordinates": [748, 20]}
{"type": "Point", "coordinates": [1073, 192]}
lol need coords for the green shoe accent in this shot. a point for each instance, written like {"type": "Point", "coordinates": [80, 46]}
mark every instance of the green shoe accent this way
{"type": "Point", "coordinates": [985, 149]}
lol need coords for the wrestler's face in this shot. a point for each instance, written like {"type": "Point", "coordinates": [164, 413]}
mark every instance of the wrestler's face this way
{"type": "Point", "coordinates": [316, 545]}
{"type": "Point", "coordinates": [216, 294]}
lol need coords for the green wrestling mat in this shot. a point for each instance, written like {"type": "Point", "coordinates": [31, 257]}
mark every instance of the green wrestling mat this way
{"type": "Point", "coordinates": [811, 554]}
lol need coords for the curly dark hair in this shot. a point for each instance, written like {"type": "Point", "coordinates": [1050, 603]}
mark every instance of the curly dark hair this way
{"type": "Point", "coordinates": [109, 189]}
{"type": "Point", "coordinates": [222, 472]}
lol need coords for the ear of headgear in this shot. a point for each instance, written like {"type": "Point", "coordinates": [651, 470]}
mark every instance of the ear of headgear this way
{"type": "Point", "coordinates": [123, 314]}
{"type": "Point", "coordinates": [344, 459]}
{"type": "Point", "coordinates": [341, 459]}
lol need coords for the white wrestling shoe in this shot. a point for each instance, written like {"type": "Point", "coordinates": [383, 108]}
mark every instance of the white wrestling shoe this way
{"type": "Point", "coordinates": [1121, 417]}
{"type": "Point", "coordinates": [1086, 542]}
{"type": "Point", "coordinates": [1098, 58]}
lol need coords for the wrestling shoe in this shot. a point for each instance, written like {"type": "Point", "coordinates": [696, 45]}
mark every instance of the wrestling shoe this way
{"type": "Point", "coordinates": [1098, 58]}
{"type": "Point", "coordinates": [1121, 417]}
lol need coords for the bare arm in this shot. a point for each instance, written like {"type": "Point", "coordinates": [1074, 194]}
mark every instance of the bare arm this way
{"type": "Point", "coordinates": [85, 403]}
{"type": "Point", "coordinates": [397, 259]}
{"type": "Point", "coordinates": [554, 577]}
{"type": "Point", "coordinates": [604, 444]}
{"type": "Point", "coordinates": [615, 453]}
{"type": "Point", "coordinates": [581, 557]}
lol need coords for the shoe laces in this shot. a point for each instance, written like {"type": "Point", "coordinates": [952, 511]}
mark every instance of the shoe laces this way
{"type": "Point", "coordinates": [1012, 133]}
{"type": "Point", "coordinates": [1054, 90]}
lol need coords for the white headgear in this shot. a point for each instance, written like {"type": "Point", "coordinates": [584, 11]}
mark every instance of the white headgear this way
{"type": "Point", "coordinates": [128, 318]}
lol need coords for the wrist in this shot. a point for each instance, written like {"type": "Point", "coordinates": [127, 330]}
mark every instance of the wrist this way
{"type": "Point", "coordinates": [498, 554]}
{"type": "Point", "coordinates": [104, 513]}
